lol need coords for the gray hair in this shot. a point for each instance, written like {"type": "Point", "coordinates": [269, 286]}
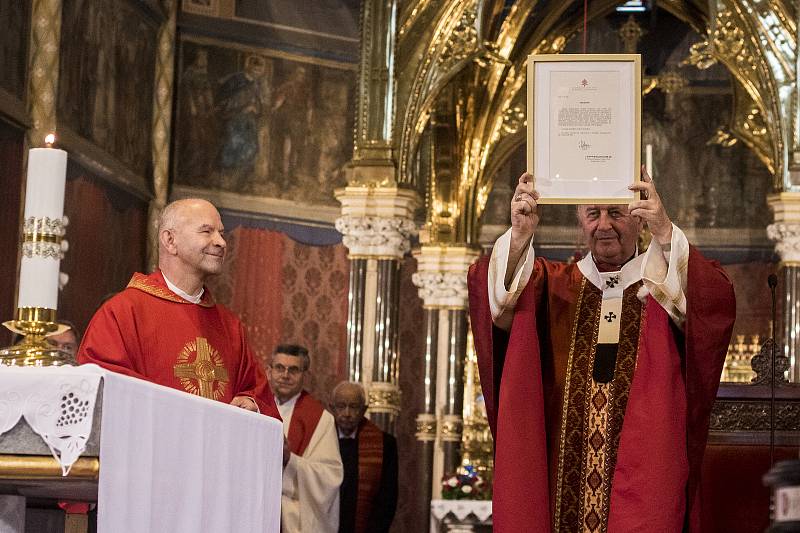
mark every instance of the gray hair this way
{"type": "Point", "coordinates": [358, 386]}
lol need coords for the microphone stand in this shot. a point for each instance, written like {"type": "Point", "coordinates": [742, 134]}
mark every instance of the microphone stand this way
{"type": "Point", "coordinates": [772, 280]}
{"type": "Point", "coordinates": [783, 478]}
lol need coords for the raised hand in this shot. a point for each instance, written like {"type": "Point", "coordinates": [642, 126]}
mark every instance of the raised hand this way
{"type": "Point", "coordinates": [524, 219]}
{"type": "Point", "coordinates": [650, 209]}
{"type": "Point", "coordinates": [524, 212]}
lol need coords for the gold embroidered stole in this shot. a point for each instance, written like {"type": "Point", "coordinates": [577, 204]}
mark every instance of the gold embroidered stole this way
{"type": "Point", "coordinates": [370, 463]}
{"type": "Point", "coordinates": [592, 413]}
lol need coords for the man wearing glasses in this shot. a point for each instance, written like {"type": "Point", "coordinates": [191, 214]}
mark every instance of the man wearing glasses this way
{"type": "Point", "coordinates": [312, 466]}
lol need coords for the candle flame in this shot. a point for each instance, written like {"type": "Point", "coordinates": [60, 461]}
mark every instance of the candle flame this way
{"type": "Point", "coordinates": [49, 139]}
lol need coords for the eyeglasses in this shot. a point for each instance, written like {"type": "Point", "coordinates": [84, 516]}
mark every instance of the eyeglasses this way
{"type": "Point", "coordinates": [292, 370]}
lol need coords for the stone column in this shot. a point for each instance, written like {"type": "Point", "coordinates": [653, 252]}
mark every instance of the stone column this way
{"type": "Point", "coordinates": [377, 225]}
{"type": "Point", "coordinates": [785, 231]}
{"type": "Point", "coordinates": [162, 127]}
{"type": "Point", "coordinates": [43, 69]}
{"type": "Point", "coordinates": [442, 282]}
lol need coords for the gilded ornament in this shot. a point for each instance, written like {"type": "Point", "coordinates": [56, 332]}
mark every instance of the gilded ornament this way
{"type": "Point", "coordinates": [426, 427]}
{"type": "Point", "coordinates": [463, 41]}
{"type": "Point", "coordinates": [513, 120]}
{"type": "Point", "coordinates": [201, 370]}
{"type": "Point", "coordinates": [630, 33]}
{"type": "Point", "coordinates": [700, 56]}
{"type": "Point", "coordinates": [451, 428]}
{"type": "Point", "coordinates": [384, 398]}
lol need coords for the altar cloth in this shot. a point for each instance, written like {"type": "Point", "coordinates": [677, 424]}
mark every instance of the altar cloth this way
{"type": "Point", "coordinates": [169, 461]}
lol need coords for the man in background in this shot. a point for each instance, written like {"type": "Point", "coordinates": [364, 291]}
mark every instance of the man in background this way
{"type": "Point", "coordinates": [312, 471]}
{"type": "Point", "coordinates": [369, 456]}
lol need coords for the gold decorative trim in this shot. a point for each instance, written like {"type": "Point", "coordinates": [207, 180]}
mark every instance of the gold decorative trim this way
{"type": "Point", "coordinates": [35, 314]}
{"type": "Point", "coordinates": [451, 428]}
{"type": "Point", "coordinates": [384, 397]}
{"type": "Point", "coordinates": [565, 405]}
{"type": "Point", "coordinates": [44, 468]}
{"type": "Point", "coordinates": [426, 427]}
{"type": "Point", "coordinates": [142, 283]}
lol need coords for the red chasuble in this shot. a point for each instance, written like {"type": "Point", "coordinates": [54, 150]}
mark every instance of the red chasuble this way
{"type": "Point", "coordinates": [149, 332]}
{"type": "Point", "coordinates": [582, 456]}
{"type": "Point", "coordinates": [305, 417]}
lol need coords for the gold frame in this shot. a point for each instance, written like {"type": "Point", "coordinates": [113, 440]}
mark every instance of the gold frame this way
{"type": "Point", "coordinates": [636, 97]}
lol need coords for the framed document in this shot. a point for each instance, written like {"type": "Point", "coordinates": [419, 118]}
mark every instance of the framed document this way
{"type": "Point", "coordinates": [584, 127]}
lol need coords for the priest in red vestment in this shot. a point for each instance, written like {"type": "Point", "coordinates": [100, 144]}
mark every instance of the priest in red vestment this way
{"type": "Point", "coordinates": [368, 497]}
{"type": "Point", "coordinates": [166, 328]}
{"type": "Point", "coordinates": [312, 471]}
{"type": "Point", "coordinates": [599, 376]}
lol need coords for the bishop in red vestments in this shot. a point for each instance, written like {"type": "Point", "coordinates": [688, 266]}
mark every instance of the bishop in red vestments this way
{"type": "Point", "coordinates": [166, 328]}
{"type": "Point", "coordinates": [599, 376]}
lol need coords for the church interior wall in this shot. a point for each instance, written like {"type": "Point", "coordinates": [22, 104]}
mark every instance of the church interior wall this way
{"type": "Point", "coordinates": [263, 120]}
{"type": "Point", "coordinates": [107, 236]}
{"type": "Point", "coordinates": [11, 143]}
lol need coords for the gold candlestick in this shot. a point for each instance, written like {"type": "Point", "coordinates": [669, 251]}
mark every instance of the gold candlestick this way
{"type": "Point", "coordinates": [34, 324]}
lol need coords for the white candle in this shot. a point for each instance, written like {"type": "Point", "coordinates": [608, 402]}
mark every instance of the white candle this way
{"type": "Point", "coordinates": [648, 159]}
{"type": "Point", "coordinates": [47, 176]}
{"type": "Point", "coordinates": [44, 197]}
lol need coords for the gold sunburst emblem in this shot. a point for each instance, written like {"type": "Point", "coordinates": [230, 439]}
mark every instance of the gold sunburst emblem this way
{"type": "Point", "coordinates": [201, 371]}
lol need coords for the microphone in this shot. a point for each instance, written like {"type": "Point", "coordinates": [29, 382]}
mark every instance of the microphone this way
{"type": "Point", "coordinates": [772, 281]}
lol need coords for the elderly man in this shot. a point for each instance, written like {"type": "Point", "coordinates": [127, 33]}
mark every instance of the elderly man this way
{"type": "Point", "coordinates": [312, 470]}
{"type": "Point", "coordinates": [166, 328]}
{"type": "Point", "coordinates": [599, 376]}
{"type": "Point", "coordinates": [369, 457]}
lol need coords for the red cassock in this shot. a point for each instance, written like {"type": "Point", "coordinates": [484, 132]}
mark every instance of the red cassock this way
{"type": "Point", "coordinates": [149, 332]}
{"type": "Point", "coordinates": [575, 455]}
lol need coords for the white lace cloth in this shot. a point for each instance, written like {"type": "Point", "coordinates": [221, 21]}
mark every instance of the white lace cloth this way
{"type": "Point", "coordinates": [460, 509]}
{"type": "Point", "coordinates": [56, 402]}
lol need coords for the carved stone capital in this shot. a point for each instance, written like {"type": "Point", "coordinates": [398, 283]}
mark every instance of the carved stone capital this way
{"type": "Point", "coordinates": [376, 236]}
{"type": "Point", "coordinates": [451, 428]}
{"type": "Point", "coordinates": [441, 275]}
{"type": "Point", "coordinates": [785, 231]}
{"type": "Point", "coordinates": [787, 241]}
{"type": "Point", "coordinates": [377, 221]}
{"type": "Point", "coordinates": [426, 427]}
{"type": "Point", "coordinates": [384, 397]}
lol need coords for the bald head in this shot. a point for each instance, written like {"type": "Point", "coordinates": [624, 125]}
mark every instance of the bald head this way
{"type": "Point", "coordinates": [349, 403]}
{"type": "Point", "coordinates": [175, 212]}
{"type": "Point", "coordinates": [191, 245]}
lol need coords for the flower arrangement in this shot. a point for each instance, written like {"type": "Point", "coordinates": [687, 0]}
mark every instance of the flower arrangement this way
{"type": "Point", "coordinates": [466, 485]}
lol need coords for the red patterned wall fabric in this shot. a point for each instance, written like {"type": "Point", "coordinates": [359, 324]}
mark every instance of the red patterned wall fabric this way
{"type": "Point", "coordinates": [258, 272]}
{"type": "Point", "coordinates": [315, 288]}
{"type": "Point", "coordinates": [287, 292]}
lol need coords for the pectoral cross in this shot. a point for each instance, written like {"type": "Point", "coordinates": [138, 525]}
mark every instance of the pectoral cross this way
{"type": "Point", "coordinates": [206, 369]}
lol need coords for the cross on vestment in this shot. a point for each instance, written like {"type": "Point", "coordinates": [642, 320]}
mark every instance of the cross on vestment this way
{"type": "Point", "coordinates": [206, 368]}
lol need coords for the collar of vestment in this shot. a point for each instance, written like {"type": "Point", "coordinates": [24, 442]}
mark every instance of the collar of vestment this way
{"type": "Point", "coordinates": [194, 298]}
{"type": "Point", "coordinates": [155, 285]}
{"type": "Point", "coordinates": [287, 407]}
{"type": "Point", "coordinates": [343, 435]}
{"type": "Point", "coordinates": [612, 283]}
